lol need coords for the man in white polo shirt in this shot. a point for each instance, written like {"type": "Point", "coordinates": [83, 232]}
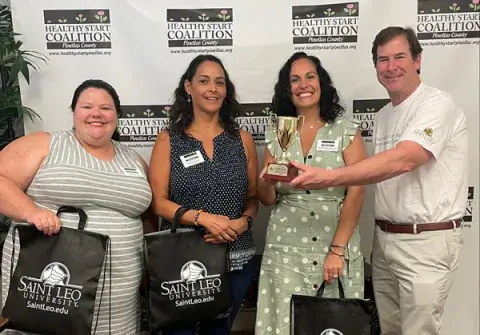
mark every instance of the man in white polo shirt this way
{"type": "Point", "coordinates": [420, 170]}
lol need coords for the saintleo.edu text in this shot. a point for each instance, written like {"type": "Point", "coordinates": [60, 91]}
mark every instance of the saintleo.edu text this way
{"type": "Point", "coordinates": [58, 310]}
{"type": "Point", "coordinates": [180, 303]}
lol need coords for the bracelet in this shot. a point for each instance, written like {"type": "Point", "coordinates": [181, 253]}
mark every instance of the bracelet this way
{"type": "Point", "coordinates": [338, 246]}
{"type": "Point", "coordinates": [333, 252]}
{"type": "Point", "coordinates": [249, 220]}
{"type": "Point", "coordinates": [195, 222]}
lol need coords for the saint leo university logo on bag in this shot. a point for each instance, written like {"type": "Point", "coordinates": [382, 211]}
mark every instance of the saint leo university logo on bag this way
{"type": "Point", "coordinates": [331, 331]}
{"type": "Point", "coordinates": [52, 292]}
{"type": "Point", "coordinates": [194, 287]}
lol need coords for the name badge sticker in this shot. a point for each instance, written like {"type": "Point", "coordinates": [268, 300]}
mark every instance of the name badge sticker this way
{"type": "Point", "coordinates": [327, 145]}
{"type": "Point", "coordinates": [192, 159]}
{"type": "Point", "coordinates": [131, 171]}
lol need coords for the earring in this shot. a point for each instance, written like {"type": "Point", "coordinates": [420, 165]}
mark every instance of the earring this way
{"type": "Point", "coordinates": [189, 100]}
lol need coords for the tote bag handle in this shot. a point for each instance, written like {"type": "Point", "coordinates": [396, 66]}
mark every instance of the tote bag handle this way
{"type": "Point", "coordinates": [81, 213]}
{"type": "Point", "coordinates": [176, 218]}
{"type": "Point", "coordinates": [341, 292]}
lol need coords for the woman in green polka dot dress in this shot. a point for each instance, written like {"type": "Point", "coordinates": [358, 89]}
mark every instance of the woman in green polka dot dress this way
{"type": "Point", "coordinates": [312, 236]}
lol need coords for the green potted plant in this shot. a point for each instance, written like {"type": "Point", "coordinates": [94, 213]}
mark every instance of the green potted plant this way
{"type": "Point", "coordinates": [13, 62]}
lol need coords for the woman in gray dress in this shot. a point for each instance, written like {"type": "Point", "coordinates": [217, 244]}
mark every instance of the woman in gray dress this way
{"type": "Point", "coordinates": [312, 236]}
{"type": "Point", "coordinates": [83, 168]}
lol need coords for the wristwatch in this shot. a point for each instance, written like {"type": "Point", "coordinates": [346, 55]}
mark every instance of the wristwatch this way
{"type": "Point", "coordinates": [249, 220]}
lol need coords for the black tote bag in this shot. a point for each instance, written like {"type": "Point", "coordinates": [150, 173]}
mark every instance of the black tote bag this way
{"type": "Point", "coordinates": [187, 278]}
{"type": "Point", "coordinates": [331, 316]}
{"type": "Point", "coordinates": [54, 284]}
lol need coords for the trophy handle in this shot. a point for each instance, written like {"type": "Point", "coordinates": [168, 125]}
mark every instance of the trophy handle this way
{"type": "Point", "coordinates": [300, 124]}
{"type": "Point", "coordinates": [273, 121]}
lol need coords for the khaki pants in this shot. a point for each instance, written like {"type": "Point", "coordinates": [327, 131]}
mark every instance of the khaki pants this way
{"type": "Point", "coordinates": [412, 276]}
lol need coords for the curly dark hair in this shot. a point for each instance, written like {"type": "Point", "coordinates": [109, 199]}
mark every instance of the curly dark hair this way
{"type": "Point", "coordinates": [282, 105]}
{"type": "Point", "coordinates": [181, 114]}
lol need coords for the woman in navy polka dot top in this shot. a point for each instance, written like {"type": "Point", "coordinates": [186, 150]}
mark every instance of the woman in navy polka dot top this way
{"type": "Point", "coordinates": [204, 162]}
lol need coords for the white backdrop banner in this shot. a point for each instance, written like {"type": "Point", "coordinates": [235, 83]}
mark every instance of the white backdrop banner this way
{"type": "Point", "coordinates": [142, 47]}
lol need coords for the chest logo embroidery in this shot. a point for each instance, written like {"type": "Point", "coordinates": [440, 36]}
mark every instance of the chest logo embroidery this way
{"type": "Point", "coordinates": [426, 133]}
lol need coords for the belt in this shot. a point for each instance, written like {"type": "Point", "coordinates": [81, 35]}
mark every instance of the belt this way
{"type": "Point", "coordinates": [416, 228]}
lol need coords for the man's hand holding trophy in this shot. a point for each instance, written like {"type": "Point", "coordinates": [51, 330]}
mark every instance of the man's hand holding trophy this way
{"type": "Point", "coordinates": [286, 129]}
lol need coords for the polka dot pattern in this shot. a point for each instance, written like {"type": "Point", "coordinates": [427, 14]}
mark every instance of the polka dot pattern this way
{"type": "Point", "coordinates": [207, 181]}
{"type": "Point", "coordinates": [299, 233]}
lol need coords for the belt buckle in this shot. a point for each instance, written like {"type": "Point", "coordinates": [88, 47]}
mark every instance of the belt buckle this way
{"type": "Point", "coordinates": [455, 224]}
{"type": "Point", "coordinates": [415, 230]}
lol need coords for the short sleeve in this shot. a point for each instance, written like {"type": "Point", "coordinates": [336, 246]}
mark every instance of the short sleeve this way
{"type": "Point", "coordinates": [432, 126]}
{"type": "Point", "coordinates": [349, 130]}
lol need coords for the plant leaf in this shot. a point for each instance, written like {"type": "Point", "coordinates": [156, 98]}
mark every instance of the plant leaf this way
{"type": "Point", "coordinates": [32, 64]}
{"type": "Point", "coordinates": [14, 72]}
{"type": "Point", "coordinates": [105, 18]}
{"type": "Point", "coordinates": [227, 17]}
{"type": "Point", "coordinates": [22, 110]}
{"type": "Point", "coordinates": [24, 69]}
{"type": "Point", "coordinates": [13, 62]}
{"type": "Point", "coordinates": [27, 54]}
{"type": "Point", "coordinates": [220, 16]}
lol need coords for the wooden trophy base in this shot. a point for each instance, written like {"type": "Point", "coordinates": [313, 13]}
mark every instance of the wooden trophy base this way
{"type": "Point", "coordinates": [280, 172]}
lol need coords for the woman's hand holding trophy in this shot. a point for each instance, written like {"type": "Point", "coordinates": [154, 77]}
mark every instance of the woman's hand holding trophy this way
{"type": "Point", "coordinates": [286, 129]}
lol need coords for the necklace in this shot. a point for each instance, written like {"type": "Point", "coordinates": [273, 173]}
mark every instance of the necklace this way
{"type": "Point", "coordinates": [318, 122]}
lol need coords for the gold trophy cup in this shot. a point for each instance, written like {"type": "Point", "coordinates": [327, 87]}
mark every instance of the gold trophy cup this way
{"type": "Point", "coordinates": [285, 129]}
